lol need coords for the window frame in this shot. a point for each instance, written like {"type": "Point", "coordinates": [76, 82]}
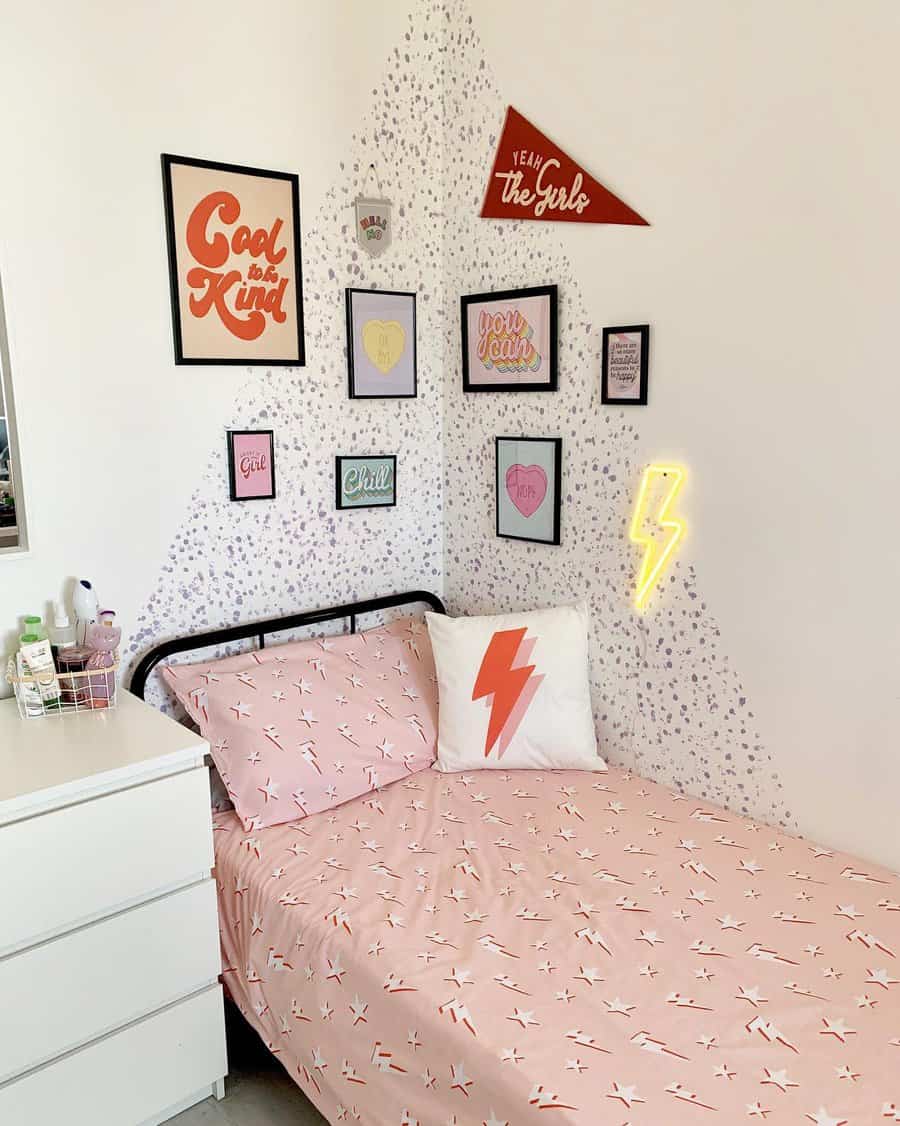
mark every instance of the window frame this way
{"type": "Point", "coordinates": [21, 548]}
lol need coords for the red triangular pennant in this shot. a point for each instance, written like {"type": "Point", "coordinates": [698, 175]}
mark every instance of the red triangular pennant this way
{"type": "Point", "coordinates": [532, 178]}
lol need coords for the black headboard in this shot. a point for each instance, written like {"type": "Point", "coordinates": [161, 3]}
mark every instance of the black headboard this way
{"type": "Point", "coordinates": [258, 630]}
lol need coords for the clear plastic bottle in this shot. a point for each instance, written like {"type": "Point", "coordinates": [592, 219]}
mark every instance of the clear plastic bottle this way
{"type": "Point", "coordinates": [62, 633]}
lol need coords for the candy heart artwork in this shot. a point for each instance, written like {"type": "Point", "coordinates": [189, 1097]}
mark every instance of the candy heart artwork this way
{"type": "Point", "coordinates": [383, 342]}
{"type": "Point", "coordinates": [527, 487]}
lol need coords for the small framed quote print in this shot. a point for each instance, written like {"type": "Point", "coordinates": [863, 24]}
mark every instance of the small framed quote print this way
{"type": "Point", "coordinates": [509, 340]}
{"type": "Point", "coordinates": [529, 488]}
{"type": "Point", "coordinates": [626, 360]}
{"type": "Point", "coordinates": [251, 464]}
{"type": "Point", "coordinates": [381, 344]}
{"type": "Point", "coordinates": [365, 481]}
{"type": "Point", "coordinates": [234, 263]}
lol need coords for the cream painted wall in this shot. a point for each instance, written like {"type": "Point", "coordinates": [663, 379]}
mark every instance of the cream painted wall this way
{"type": "Point", "coordinates": [758, 141]}
{"type": "Point", "coordinates": [117, 439]}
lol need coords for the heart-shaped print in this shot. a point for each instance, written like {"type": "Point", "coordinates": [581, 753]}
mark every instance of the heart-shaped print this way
{"type": "Point", "coordinates": [383, 342]}
{"type": "Point", "coordinates": [527, 487]}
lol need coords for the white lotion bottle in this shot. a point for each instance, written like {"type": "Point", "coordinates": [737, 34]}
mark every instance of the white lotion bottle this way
{"type": "Point", "coordinates": [29, 694]}
{"type": "Point", "coordinates": [39, 662]}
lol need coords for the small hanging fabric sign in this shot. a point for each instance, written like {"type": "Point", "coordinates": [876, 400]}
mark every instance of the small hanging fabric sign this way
{"type": "Point", "coordinates": [373, 219]}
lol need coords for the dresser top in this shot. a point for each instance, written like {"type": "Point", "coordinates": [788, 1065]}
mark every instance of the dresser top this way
{"type": "Point", "coordinates": [53, 761]}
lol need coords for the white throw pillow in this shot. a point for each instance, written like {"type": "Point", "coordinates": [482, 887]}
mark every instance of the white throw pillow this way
{"type": "Point", "coordinates": [514, 691]}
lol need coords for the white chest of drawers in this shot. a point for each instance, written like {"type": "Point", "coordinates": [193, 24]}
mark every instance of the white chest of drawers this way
{"type": "Point", "coordinates": [110, 1010]}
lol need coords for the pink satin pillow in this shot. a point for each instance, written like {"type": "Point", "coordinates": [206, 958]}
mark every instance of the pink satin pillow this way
{"type": "Point", "coordinates": [298, 728]}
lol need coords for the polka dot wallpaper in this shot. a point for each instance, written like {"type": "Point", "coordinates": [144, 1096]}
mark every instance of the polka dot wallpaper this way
{"type": "Point", "coordinates": [232, 562]}
{"type": "Point", "coordinates": [667, 699]}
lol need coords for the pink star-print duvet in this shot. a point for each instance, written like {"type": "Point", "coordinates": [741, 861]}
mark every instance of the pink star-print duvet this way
{"type": "Point", "coordinates": [513, 948]}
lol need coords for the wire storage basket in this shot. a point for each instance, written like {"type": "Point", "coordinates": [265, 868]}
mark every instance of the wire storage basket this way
{"type": "Point", "coordinates": [75, 690]}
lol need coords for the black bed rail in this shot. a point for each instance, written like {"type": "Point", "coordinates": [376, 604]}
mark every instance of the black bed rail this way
{"type": "Point", "coordinates": [258, 630]}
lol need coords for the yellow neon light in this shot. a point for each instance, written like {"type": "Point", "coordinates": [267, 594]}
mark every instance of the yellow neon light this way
{"type": "Point", "coordinates": [658, 548]}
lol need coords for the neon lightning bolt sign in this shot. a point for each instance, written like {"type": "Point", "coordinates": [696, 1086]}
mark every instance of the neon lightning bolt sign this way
{"type": "Point", "coordinates": [658, 544]}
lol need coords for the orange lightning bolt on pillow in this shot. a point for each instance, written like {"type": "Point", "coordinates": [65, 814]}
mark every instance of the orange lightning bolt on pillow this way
{"type": "Point", "coordinates": [514, 691]}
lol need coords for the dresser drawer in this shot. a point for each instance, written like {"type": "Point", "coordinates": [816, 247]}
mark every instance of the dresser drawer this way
{"type": "Point", "coordinates": [60, 994]}
{"type": "Point", "coordinates": [78, 863]}
{"type": "Point", "coordinates": [128, 1077]}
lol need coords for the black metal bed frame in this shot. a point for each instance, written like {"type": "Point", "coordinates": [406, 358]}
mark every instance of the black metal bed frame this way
{"type": "Point", "coordinates": [351, 610]}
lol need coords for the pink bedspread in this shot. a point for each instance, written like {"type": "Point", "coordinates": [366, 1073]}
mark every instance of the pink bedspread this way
{"type": "Point", "coordinates": [575, 948]}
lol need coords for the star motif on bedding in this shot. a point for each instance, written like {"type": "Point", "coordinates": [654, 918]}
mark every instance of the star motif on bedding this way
{"type": "Point", "coordinates": [620, 1007]}
{"type": "Point", "coordinates": [821, 1117]}
{"type": "Point", "coordinates": [777, 1079]}
{"type": "Point", "coordinates": [625, 1094]}
{"type": "Point", "coordinates": [836, 1027]}
{"type": "Point", "coordinates": [269, 790]}
{"type": "Point", "coordinates": [459, 1081]}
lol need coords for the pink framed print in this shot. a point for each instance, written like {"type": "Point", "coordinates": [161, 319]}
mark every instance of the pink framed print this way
{"type": "Point", "coordinates": [529, 489]}
{"type": "Point", "coordinates": [251, 464]}
{"type": "Point", "coordinates": [509, 340]}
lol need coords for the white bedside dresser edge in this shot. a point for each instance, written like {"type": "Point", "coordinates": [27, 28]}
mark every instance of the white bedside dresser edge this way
{"type": "Point", "coordinates": [217, 1090]}
{"type": "Point", "coordinates": [105, 1033]}
{"type": "Point", "coordinates": [101, 916]}
{"type": "Point", "coordinates": [98, 785]}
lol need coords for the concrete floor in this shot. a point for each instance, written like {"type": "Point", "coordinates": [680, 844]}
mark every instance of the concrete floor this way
{"type": "Point", "coordinates": [258, 1091]}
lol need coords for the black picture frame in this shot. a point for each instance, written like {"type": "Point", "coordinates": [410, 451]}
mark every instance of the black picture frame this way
{"type": "Point", "coordinates": [338, 491]}
{"type": "Point", "coordinates": [232, 466]}
{"type": "Point", "coordinates": [641, 399]}
{"type": "Point", "coordinates": [551, 292]}
{"type": "Point", "coordinates": [352, 390]}
{"type": "Point", "coordinates": [556, 443]}
{"type": "Point", "coordinates": [168, 159]}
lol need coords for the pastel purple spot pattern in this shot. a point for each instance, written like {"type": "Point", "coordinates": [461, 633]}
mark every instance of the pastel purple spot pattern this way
{"type": "Point", "coordinates": [232, 562]}
{"type": "Point", "coordinates": [667, 700]}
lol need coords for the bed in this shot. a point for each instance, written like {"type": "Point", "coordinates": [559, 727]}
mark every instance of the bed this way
{"type": "Point", "coordinates": [485, 948]}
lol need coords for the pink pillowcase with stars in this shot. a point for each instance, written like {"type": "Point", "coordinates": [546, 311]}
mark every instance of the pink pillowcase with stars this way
{"type": "Point", "coordinates": [298, 728]}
